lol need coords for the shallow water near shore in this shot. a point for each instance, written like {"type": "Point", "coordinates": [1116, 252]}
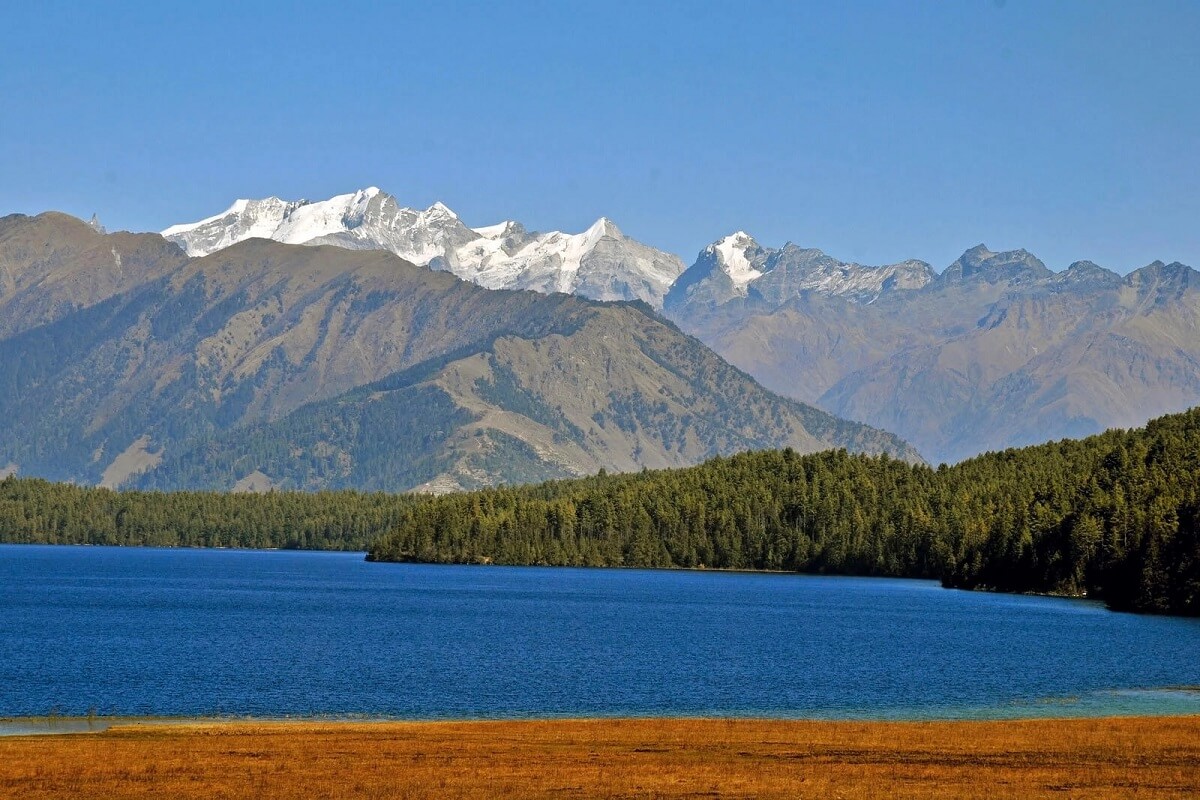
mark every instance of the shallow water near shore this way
{"type": "Point", "coordinates": [35, 726]}
{"type": "Point", "coordinates": [203, 633]}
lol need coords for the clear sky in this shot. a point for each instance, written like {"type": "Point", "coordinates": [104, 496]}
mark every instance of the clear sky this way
{"type": "Point", "coordinates": [876, 131]}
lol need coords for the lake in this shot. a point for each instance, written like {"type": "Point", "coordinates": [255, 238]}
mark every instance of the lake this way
{"type": "Point", "coordinates": [271, 634]}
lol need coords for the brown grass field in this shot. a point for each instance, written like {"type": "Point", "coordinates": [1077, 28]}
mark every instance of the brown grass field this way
{"type": "Point", "coordinates": [1100, 758]}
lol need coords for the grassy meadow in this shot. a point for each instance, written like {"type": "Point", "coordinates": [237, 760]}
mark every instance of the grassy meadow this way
{"type": "Point", "coordinates": [665, 758]}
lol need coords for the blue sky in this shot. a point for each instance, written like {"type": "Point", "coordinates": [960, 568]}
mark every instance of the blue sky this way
{"type": "Point", "coordinates": [876, 131]}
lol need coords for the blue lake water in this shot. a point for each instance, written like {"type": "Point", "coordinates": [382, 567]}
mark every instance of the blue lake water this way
{"type": "Point", "coordinates": [245, 633]}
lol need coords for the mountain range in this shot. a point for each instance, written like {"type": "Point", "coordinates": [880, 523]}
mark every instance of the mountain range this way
{"type": "Point", "coordinates": [601, 263]}
{"type": "Point", "coordinates": [129, 362]}
{"type": "Point", "coordinates": [994, 351]}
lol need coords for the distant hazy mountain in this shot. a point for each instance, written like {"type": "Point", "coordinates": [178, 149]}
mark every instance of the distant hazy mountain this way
{"type": "Point", "coordinates": [600, 263]}
{"type": "Point", "coordinates": [268, 364]}
{"type": "Point", "coordinates": [996, 351]}
{"type": "Point", "coordinates": [737, 266]}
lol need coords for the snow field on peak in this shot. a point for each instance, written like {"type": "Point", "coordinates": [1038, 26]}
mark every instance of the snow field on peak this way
{"type": "Point", "coordinates": [732, 255]}
{"type": "Point", "coordinates": [496, 231]}
{"type": "Point", "coordinates": [238, 207]}
{"type": "Point", "coordinates": [501, 256]}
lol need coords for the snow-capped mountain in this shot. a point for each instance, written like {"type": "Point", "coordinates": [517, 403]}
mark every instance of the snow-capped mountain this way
{"type": "Point", "coordinates": [738, 266]}
{"type": "Point", "coordinates": [601, 263]}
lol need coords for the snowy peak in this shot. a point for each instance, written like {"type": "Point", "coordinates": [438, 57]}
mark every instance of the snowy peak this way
{"type": "Point", "coordinates": [737, 266]}
{"type": "Point", "coordinates": [500, 230]}
{"type": "Point", "coordinates": [722, 272]}
{"type": "Point", "coordinates": [734, 255]}
{"type": "Point", "coordinates": [292, 221]}
{"type": "Point", "coordinates": [307, 221]}
{"type": "Point", "coordinates": [739, 239]}
{"type": "Point", "coordinates": [440, 210]}
{"type": "Point", "coordinates": [604, 227]}
{"type": "Point", "coordinates": [245, 219]}
{"type": "Point", "coordinates": [600, 263]}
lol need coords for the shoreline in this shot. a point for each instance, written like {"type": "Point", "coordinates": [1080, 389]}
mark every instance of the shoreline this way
{"type": "Point", "coordinates": [618, 757]}
{"type": "Point", "coordinates": [1054, 595]}
{"type": "Point", "coordinates": [1154, 702]}
{"type": "Point", "coordinates": [1058, 709]}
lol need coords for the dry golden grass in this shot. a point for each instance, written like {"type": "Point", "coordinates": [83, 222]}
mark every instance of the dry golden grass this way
{"type": "Point", "coordinates": [1100, 758]}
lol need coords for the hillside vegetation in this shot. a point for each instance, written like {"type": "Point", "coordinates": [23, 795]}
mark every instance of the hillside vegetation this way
{"type": "Point", "coordinates": [1114, 516]}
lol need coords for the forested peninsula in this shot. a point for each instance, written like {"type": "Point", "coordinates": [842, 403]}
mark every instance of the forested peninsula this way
{"type": "Point", "coordinates": [1114, 516]}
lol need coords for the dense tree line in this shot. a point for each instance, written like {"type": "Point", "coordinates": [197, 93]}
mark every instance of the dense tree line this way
{"type": "Point", "coordinates": [39, 512]}
{"type": "Point", "coordinates": [1115, 516]}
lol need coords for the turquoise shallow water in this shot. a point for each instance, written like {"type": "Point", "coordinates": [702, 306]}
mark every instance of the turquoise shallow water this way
{"type": "Point", "coordinates": [270, 634]}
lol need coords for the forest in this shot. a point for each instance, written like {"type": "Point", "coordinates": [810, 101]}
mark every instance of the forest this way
{"type": "Point", "coordinates": [40, 512]}
{"type": "Point", "coordinates": [1114, 516]}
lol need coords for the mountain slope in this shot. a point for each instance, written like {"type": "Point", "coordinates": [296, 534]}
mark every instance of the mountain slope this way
{"type": "Point", "coordinates": [54, 264]}
{"type": "Point", "coordinates": [600, 263]}
{"type": "Point", "coordinates": [614, 388]}
{"type": "Point", "coordinates": [996, 351]}
{"type": "Point", "coordinates": [253, 335]}
{"type": "Point", "coordinates": [246, 335]}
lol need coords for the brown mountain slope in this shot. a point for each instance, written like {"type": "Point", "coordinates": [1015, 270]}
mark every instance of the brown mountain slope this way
{"type": "Point", "coordinates": [616, 389]}
{"type": "Point", "coordinates": [53, 264]}
{"type": "Point", "coordinates": [309, 323]}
